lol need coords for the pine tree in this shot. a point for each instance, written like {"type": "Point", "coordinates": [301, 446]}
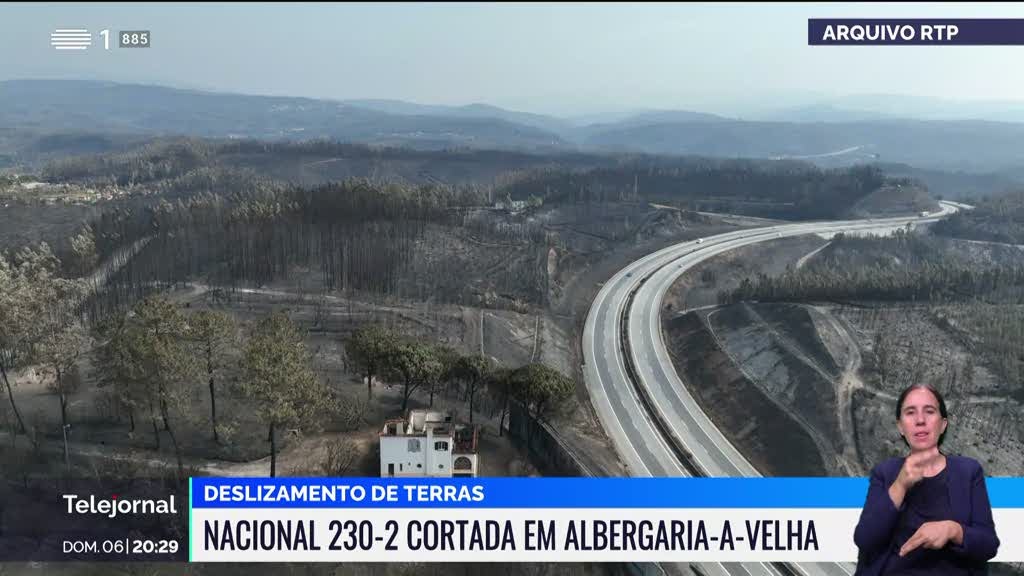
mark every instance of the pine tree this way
{"type": "Point", "coordinates": [278, 377]}
{"type": "Point", "coordinates": [213, 333]}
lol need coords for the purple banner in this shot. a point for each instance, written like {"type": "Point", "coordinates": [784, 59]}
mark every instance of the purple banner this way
{"type": "Point", "coordinates": [915, 32]}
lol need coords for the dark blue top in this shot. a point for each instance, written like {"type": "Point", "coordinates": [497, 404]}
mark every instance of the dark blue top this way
{"type": "Point", "coordinates": [883, 528]}
{"type": "Point", "coordinates": [927, 501]}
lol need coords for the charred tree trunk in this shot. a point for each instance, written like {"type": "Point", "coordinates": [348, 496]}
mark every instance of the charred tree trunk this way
{"type": "Point", "coordinates": [63, 399]}
{"type": "Point", "coordinates": [163, 414]}
{"type": "Point", "coordinates": [156, 429]}
{"type": "Point", "coordinates": [10, 396]}
{"type": "Point", "coordinates": [273, 451]}
{"type": "Point", "coordinates": [177, 450]}
{"type": "Point", "coordinates": [213, 411]}
{"type": "Point", "coordinates": [501, 421]}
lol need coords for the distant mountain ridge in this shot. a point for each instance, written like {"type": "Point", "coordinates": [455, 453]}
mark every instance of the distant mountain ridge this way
{"type": "Point", "coordinates": [69, 105]}
{"type": "Point", "coordinates": [476, 110]}
{"type": "Point", "coordinates": [830, 134]}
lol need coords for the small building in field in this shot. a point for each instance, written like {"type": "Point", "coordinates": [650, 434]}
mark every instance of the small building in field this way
{"type": "Point", "coordinates": [428, 444]}
{"type": "Point", "coordinates": [511, 205]}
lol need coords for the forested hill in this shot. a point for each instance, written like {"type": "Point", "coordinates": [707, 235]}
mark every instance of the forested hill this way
{"type": "Point", "coordinates": [778, 189]}
{"type": "Point", "coordinates": [901, 267]}
{"type": "Point", "coordinates": [221, 210]}
{"type": "Point", "coordinates": [995, 219]}
{"type": "Point", "coordinates": [303, 163]}
{"type": "Point", "coordinates": [787, 190]}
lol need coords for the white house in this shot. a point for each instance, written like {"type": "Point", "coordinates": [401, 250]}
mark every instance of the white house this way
{"type": "Point", "coordinates": [428, 443]}
{"type": "Point", "coordinates": [512, 206]}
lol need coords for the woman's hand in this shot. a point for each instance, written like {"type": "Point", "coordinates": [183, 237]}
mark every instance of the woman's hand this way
{"type": "Point", "coordinates": [913, 470]}
{"type": "Point", "coordinates": [934, 535]}
{"type": "Point", "coordinates": [910, 474]}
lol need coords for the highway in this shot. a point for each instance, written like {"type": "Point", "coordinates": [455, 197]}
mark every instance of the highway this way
{"type": "Point", "coordinates": [655, 424]}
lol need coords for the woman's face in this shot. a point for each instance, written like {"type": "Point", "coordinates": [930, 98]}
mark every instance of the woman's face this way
{"type": "Point", "coordinates": [920, 422]}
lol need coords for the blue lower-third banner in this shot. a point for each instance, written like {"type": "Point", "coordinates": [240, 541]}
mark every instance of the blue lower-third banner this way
{"type": "Point", "coordinates": [546, 519]}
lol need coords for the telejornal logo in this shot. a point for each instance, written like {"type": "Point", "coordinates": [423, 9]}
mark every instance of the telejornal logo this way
{"type": "Point", "coordinates": [111, 507]}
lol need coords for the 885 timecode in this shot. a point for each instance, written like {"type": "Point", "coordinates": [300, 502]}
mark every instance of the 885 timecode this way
{"type": "Point", "coordinates": [133, 38]}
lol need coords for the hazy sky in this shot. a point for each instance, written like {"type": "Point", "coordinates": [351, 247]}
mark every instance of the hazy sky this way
{"type": "Point", "coordinates": [564, 59]}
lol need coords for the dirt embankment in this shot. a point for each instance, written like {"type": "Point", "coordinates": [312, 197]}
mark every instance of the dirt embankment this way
{"type": "Point", "coordinates": [746, 413]}
{"type": "Point", "coordinates": [777, 348]}
{"type": "Point", "coordinates": [837, 370]}
{"type": "Point", "coordinates": [803, 366]}
{"type": "Point", "coordinates": [834, 373]}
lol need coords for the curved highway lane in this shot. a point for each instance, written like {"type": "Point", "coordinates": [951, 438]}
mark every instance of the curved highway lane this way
{"type": "Point", "coordinates": [650, 415]}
